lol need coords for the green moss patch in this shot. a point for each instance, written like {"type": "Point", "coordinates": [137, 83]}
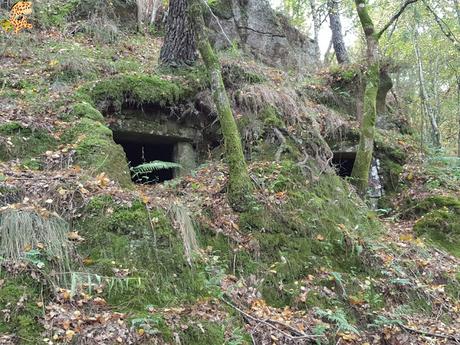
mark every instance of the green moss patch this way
{"type": "Point", "coordinates": [418, 208]}
{"type": "Point", "coordinates": [20, 142]}
{"type": "Point", "coordinates": [86, 110]}
{"type": "Point", "coordinates": [112, 93]}
{"type": "Point", "coordinates": [97, 151]}
{"type": "Point", "coordinates": [442, 226]}
{"type": "Point", "coordinates": [20, 312]}
{"type": "Point", "coordinates": [128, 237]}
{"type": "Point", "coordinates": [320, 225]}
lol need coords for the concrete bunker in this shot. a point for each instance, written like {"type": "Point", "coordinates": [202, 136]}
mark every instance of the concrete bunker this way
{"type": "Point", "coordinates": [154, 134]}
{"type": "Point", "coordinates": [343, 163]}
{"type": "Point", "coordinates": [143, 148]}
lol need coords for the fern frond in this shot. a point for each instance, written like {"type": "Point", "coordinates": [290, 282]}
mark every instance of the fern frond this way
{"type": "Point", "coordinates": [152, 166]}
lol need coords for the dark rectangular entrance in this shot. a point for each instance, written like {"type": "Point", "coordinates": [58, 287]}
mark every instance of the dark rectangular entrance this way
{"type": "Point", "coordinates": [143, 148]}
{"type": "Point", "coordinates": [343, 163]}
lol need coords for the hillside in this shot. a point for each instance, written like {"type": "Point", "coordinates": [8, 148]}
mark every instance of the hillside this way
{"type": "Point", "coordinates": [94, 251]}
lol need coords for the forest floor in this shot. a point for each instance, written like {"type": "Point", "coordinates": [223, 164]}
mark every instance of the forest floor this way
{"type": "Point", "coordinates": [35, 93]}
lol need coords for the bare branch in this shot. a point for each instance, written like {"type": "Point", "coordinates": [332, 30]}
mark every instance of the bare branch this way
{"type": "Point", "coordinates": [395, 17]}
{"type": "Point", "coordinates": [443, 26]}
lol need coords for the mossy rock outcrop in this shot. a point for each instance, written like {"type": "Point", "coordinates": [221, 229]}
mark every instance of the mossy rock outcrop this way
{"type": "Point", "coordinates": [442, 226]}
{"type": "Point", "coordinates": [132, 89]}
{"type": "Point", "coordinates": [417, 208]}
{"type": "Point", "coordinates": [86, 110]}
{"type": "Point", "coordinates": [96, 150]}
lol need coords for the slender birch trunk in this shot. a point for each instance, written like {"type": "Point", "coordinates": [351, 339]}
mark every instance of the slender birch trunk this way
{"type": "Point", "coordinates": [316, 28]}
{"type": "Point", "coordinates": [427, 108]}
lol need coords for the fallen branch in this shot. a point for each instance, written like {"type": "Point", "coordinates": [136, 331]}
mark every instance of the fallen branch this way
{"type": "Point", "coordinates": [282, 141]}
{"type": "Point", "coordinates": [429, 334]}
{"type": "Point", "coordinates": [270, 323]}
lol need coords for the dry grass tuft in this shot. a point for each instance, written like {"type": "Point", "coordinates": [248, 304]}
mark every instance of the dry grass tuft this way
{"type": "Point", "coordinates": [22, 231]}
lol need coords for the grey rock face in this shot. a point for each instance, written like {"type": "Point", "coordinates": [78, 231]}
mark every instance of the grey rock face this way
{"type": "Point", "coordinates": [260, 31]}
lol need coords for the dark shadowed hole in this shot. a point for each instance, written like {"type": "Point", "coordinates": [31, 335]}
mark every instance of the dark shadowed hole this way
{"type": "Point", "coordinates": [343, 163]}
{"type": "Point", "coordinates": [143, 148]}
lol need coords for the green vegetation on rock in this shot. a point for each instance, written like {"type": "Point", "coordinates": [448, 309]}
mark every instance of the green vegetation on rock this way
{"type": "Point", "coordinates": [135, 89]}
{"type": "Point", "coordinates": [96, 149]}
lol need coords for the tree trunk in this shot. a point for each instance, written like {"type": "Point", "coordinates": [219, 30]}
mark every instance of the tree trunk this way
{"type": "Point", "coordinates": [239, 184]}
{"type": "Point", "coordinates": [361, 167]}
{"type": "Point", "coordinates": [458, 112]}
{"type": "Point", "coordinates": [140, 14]}
{"type": "Point", "coordinates": [336, 29]}
{"type": "Point", "coordinates": [435, 133]}
{"type": "Point", "coordinates": [154, 10]}
{"type": "Point", "coordinates": [385, 85]}
{"type": "Point", "coordinates": [179, 45]}
{"type": "Point", "coordinates": [316, 28]}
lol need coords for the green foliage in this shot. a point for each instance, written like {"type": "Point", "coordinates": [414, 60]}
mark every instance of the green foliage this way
{"type": "Point", "coordinates": [417, 208]}
{"type": "Point", "coordinates": [319, 225]}
{"type": "Point", "coordinates": [26, 235]}
{"type": "Point", "coordinates": [54, 13]}
{"type": "Point", "coordinates": [149, 167]}
{"type": "Point", "coordinates": [443, 172]}
{"type": "Point", "coordinates": [337, 317]}
{"type": "Point", "coordinates": [86, 110]}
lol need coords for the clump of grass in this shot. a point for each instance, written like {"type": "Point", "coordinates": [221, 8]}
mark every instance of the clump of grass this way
{"type": "Point", "coordinates": [24, 234]}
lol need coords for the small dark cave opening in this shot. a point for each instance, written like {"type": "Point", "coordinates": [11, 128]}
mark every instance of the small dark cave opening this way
{"type": "Point", "coordinates": [343, 163]}
{"type": "Point", "coordinates": [143, 148]}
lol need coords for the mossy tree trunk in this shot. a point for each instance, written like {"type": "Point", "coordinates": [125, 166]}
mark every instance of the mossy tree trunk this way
{"type": "Point", "coordinates": [239, 185]}
{"type": "Point", "coordinates": [361, 167]}
{"type": "Point", "coordinates": [360, 172]}
{"type": "Point", "coordinates": [179, 45]}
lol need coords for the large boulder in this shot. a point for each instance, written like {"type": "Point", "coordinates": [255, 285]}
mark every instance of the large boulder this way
{"type": "Point", "coordinates": [262, 32]}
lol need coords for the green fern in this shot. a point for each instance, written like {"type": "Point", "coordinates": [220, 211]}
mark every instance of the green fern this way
{"type": "Point", "coordinates": [146, 168]}
{"type": "Point", "coordinates": [339, 318]}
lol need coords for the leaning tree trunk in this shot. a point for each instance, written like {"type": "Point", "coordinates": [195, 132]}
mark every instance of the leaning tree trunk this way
{"type": "Point", "coordinates": [239, 184]}
{"type": "Point", "coordinates": [336, 29]}
{"type": "Point", "coordinates": [361, 167]}
{"type": "Point", "coordinates": [385, 85]}
{"type": "Point", "coordinates": [179, 45]}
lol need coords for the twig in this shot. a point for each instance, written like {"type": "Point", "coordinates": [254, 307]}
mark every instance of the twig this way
{"type": "Point", "coordinates": [395, 17]}
{"type": "Point", "coordinates": [428, 334]}
{"type": "Point", "coordinates": [269, 321]}
{"type": "Point", "coordinates": [218, 22]}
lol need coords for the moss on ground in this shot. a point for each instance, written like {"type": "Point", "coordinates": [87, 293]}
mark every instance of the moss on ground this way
{"type": "Point", "coordinates": [442, 226]}
{"type": "Point", "coordinates": [416, 208]}
{"type": "Point", "coordinates": [19, 314]}
{"type": "Point", "coordinates": [322, 224]}
{"type": "Point", "coordinates": [20, 142]}
{"type": "Point", "coordinates": [123, 237]}
{"type": "Point", "coordinates": [97, 151]}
